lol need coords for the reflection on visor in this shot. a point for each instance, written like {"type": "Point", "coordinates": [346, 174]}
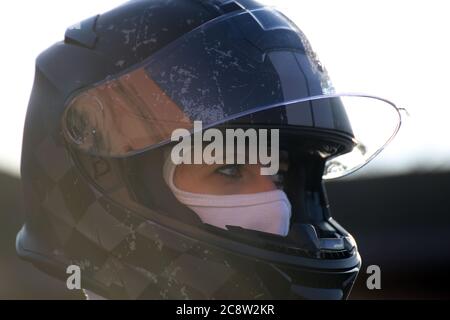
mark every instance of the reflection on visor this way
{"type": "Point", "coordinates": [375, 122]}
{"type": "Point", "coordinates": [123, 116]}
{"type": "Point", "coordinates": [198, 78]}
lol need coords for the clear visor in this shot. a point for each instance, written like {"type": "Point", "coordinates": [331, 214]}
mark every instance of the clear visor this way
{"type": "Point", "coordinates": [198, 77]}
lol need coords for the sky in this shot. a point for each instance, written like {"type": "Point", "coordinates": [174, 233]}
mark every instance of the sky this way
{"type": "Point", "coordinates": [397, 50]}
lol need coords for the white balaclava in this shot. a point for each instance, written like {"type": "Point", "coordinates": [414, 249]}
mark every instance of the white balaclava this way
{"type": "Point", "coordinates": [265, 211]}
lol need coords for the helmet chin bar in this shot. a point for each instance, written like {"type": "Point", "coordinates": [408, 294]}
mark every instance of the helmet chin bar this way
{"type": "Point", "coordinates": [313, 235]}
{"type": "Point", "coordinates": [312, 226]}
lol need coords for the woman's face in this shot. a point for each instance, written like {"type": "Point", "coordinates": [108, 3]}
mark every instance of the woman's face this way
{"type": "Point", "coordinates": [219, 179]}
{"type": "Point", "coordinates": [232, 195]}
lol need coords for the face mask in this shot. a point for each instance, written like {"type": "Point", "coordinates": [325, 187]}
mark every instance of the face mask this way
{"type": "Point", "coordinates": [265, 211]}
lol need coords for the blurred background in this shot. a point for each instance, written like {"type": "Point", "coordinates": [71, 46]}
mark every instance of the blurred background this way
{"type": "Point", "coordinates": [397, 207]}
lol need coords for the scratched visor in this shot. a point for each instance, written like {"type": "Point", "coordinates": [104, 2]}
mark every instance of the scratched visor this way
{"type": "Point", "coordinates": [273, 80]}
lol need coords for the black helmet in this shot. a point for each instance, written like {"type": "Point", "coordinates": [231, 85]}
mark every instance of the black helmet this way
{"type": "Point", "coordinates": [104, 104]}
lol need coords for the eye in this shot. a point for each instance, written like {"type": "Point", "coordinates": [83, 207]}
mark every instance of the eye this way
{"type": "Point", "coordinates": [230, 171]}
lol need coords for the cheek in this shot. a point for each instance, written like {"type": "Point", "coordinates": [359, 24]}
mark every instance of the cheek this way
{"type": "Point", "coordinates": [257, 183]}
{"type": "Point", "coordinates": [185, 179]}
{"type": "Point", "coordinates": [254, 182]}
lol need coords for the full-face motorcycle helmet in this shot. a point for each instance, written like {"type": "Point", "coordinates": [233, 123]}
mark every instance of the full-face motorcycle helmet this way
{"type": "Point", "coordinates": [104, 105]}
